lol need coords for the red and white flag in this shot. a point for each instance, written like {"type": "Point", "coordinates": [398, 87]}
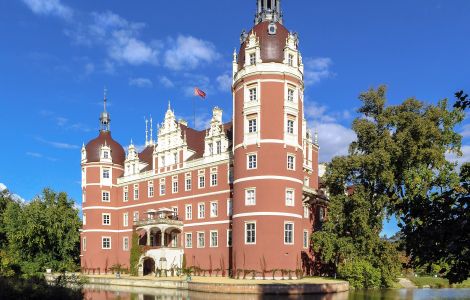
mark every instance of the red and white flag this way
{"type": "Point", "coordinates": [200, 93]}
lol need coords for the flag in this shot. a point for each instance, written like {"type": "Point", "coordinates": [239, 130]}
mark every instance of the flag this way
{"type": "Point", "coordinates": [198, 92]}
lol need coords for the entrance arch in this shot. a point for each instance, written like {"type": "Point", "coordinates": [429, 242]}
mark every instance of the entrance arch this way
{"type": "Point", "coordinates": [149, 266]}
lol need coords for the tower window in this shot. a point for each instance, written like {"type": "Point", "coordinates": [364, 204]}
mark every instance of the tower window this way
{"type": "Point", "coordinates": [290, 126]}
{"type": "Point", "coordinates": [250, 233]}
{"type": "Point", "coordinates": [250, 197]}
{"type": "Point", "coordinates": [105, 154]}
{"type": "Point", "coordinates": [290, 95]}
{"type": "Point", "coordinates": [252, 161]}
{"type": "Point", "coordinates": [105, 173]}
{"type": "Point", "coordinates": [105, 197]}
{"type": "Point", "coordinates": [211, 149]}
{"type": "Point", "coordinates": [252, 58]}
{"type": "Point", "coordinates": [253, 94]}
{"type": "Point", "coordinates": [219, 147]}
{"type": "Point", "coordinates": [106, 219]}
{"type": "Point", "coordinates": [290, 60]}
{"type": "Point", "coordinates": [106, 243]}
{"type": "Point", "coordinates": [289, 233]}
{"type": "Point", "coordinates": [252, 126]}
{"type": "Point", "coordinates": [290, 198]}
{"type": "Point", "coordinates": [291, 162]}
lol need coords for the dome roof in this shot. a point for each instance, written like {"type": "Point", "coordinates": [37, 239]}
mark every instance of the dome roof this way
{"type": "Point", "coordinates": [272, 45]}
{"type": "Point", "coordinates": [93, 148]}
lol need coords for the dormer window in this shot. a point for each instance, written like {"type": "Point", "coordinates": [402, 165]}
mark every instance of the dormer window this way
{"type": "Point", "coordinates": [219, 147]}
{"type": "Point", "coordinates": [105, 154]}
{"type": "Point", "coordinates": [252, 58]}
{"type": "Point", "coordinates": [290, 60]}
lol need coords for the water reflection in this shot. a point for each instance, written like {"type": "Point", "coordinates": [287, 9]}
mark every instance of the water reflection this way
{"type": "Point", "coordinates": [97, 292]}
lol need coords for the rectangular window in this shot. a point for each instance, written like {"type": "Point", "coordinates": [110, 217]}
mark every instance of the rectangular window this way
{"type": "Point", "coordinates": [250, 197]}
{"type": "Point", "coordinates": [175, 187]}
{"type": "Point", "coordinates": [105, 173]}
{"type": "Point", "coordinates": [188, 240]}
{"type": "Point", "coordinates": [290, 95]}
{"type": "Point", "coordinates": [289, 197]}
{"type": "Point", "coordinates": [201, 211]}
{"type": "Point", "coordinates": [189, 212]}
{"type": "Point", "coordinates": [106, 219]}
{"type": "Point", "coordinates": [252, 161]}
{"type": "Point", "coordinates": [250, 233]}
{"type": "Point", "coordinates": [150, 189]}
{"type": "Point", "coordinates": [289, 233]}
{"type": "Point", "coordinates": [219, 147]}
{"type": "Point", "coordinates": [253, 94]}
{"type": "Point", "coordinates": [84, 244]}
{"type": "Point", "coordinates": [125, 219]}
{"type": "Point", "coordinates": [136, 216]}
{"type": "Point", "coordinates": [105, 197]}
{"type": "Point", "coordinates": [252, 126]}
{"type": "Point", "coordinates": [290, 60]}
{"type": "Point", "coordinates": [291, 162]}
{"type": "Point", "coordinates": [214, 209]}
{"type": "Point", "coordinates": [106, 242]}
{"type": "Point", "coordinates": [162, 189]}
{"type": "Point", "coordinates": [126, 194]}
{"type": "Point", "coordinates": [136, 192]}
{"type": "Point", "coordinates": [306, 212]}
{"type": "Point", "coordinates": [214, 238]}
{"type": "Point", "coordinates": [84, 219]}
{"type": "Point", "coordinates": [201, 240]}
{"type": "Point", "coordinates": [229, 207]}
{"type": "Point", "coordinates": [202, 182]}
{"type": "Point", "coordinates": [125, 243]}
{"type": "Point", "coordinates": [252, 58]}
{"type": "Point", "coordinates": [305, 239]}
{"type": "Point", "coordinates": [211, 149]}
{"type": "Point", "coordinates": [105, 154]}
{"type": "Point", "coordinates": [229, 237]}
{"type": "Point", "coordinates": [188, 184]}
{"type": "Point", "coordinates": [290, 126]}
{"type": "Point", "coordinates": [213, 179]}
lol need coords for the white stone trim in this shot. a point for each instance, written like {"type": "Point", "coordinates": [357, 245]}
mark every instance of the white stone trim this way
{"type": "Point", "coordinates": [268, 177]}
{"type": "Point", "coordinates": [106, 230]}
{"type": "Point", "coordinates": [270, 141]}
{"type": "Point", "coordinates": [206, 223]}
{"type": "Point", "coordinates": [263, 214]}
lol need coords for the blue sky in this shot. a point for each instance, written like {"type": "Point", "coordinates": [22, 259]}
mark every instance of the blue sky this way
{"type": "Point", "coordinates": [56, 56]}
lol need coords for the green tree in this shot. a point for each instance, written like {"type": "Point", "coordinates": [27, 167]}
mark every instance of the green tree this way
{"type": "Point", "coordinates": [43, 233]}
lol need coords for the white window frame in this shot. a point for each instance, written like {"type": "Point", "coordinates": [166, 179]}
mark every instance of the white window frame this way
{"type": "Point", "coordinates": [201, 213]}
{"type": "Point", "coordinates": [212, 215]}
{"type": "Point", "coordinates": [292, 192]}
{"type": "Point", "coordinates": [203, 239]}
{"type": "Point", "coordinates": [218, 146]}
{"type": "Point", "coordinates": [103, 198]}
{"type": "Point", "coordinates": [290, 59]}
{"type": "Point", "coordinates": [246, 233]}
{"type": "Point", "coordinates": [188, 212]}
{"type": "Point", "coordinates": [125, 219]}
{"type": "Point", "coordinates": [187, 184]}
{"type": "Point", "coordinates": [151, 190]}
{"type": "Point", "coordinates": [103, 215]}
{"type": "Point", "coordinates": [136, 192]}
{"type": "Point", "coordinates": [203, 185]}
{"type": "Point", "coordinates": [174, 186]}
{"type": "Point", "coordinates": [293, 162]}
{"type": "Point", "coordinates": [290, 94]}
{"type": "Point", "coordinates": [229, 238]}
{"type": "Point", "coordinates": [106, 171]}
{"type": "Point", "coordinates": [292, 233]}
{"type": "Point", "coordinates": [211, 244]}
{"type": "Point", "coordinates": [305, 238]}
{"type": "Point", "coordinates": [102, 243]}
{"type": "Point", "coordinates": [252, 58]}
{"type": "Point", "coordinates": [214, 179]}
{"type": "Point", "coordinates": [186, 244]}
{"type": "Point", "coordinates": [252, 125]}
{"type": "Point", "coordinates": [135, 216]}
{"type": "Point", "coordinates": [290, 126]}
{"type": "Point", "coordinates": [84, 243]}
{"type": "Point", "coordinates": [125, 194]}
{"type": "Point", "coordinates": [125, 243]}
{"type": "Point", "coordinates": [252, 94]}
{"type": "Point", "coordinates": [248, 201]}
{"type": "Point", "coordinates": [251, 165]}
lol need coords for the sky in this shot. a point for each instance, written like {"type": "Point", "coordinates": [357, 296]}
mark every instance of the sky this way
{"type": "Point", "coordinates": [56, 57]}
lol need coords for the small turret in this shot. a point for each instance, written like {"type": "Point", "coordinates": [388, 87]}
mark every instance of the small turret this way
{"type": "Point", "coordinates": [105, 118]}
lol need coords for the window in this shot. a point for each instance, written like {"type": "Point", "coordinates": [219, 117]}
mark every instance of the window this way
{"type": "Point", "coordinates": [84, 219]}
{"type": "Point", "coordinates": [252, 161]}
{"type": "Point", "coordinates": [213, 179]}
{"type": "Point", "coordinates": [106, 242]}
{"type": "Point", "coordinates": [211, 149]}
{"type": "Point", "coordinates": [252, 126]}
{"type": "Point", "coordinates": [105, 197]}
{"type": "Point", "coordinates": [214, 209]}
{"type": "Point", "coordinates": [188, 240]}
{"type": "Point", "coordinates": [250, 197]}
{"type": "Point", "coordinates": [291, 162]}
{"type": "Point", "coordinates": [125, 195]}
{"type": "Point", "coordinates": [175, 187]}
{"type": "Point", "coordinates": [105, 173]}
{"type": "Point", "coordinates": [202, 181]}
{"type": "Point", "coordinates": [229, 207]}
{"type": "Point", "coordinates": [84, 244]}
{"type": "Point", "coordinates": [136, 192]}
{"type": "Point", "coordinates": [125, 219]}
{"type": "Point", "coordinates": [106, 219]}
{"type": "Point", "coordinates": [290, 197]}
{"type": "Point", "coordinates": [252, 58]}
{"type": "Point", "coordinates": [290, 60]}
{"type": "Point", "coordinates": [307, 181]}
{"type": "Point", "coordinates": [289, 233]}
{"type": "Point", "coordinates": [253, 94]}
{"type": "Point", "coordinates": [200, 240]}
{"type": "Point", "coordinates": [189, 212]}
{"type": "Point", "coordinates": [162, 189]}
{"type": "Point", "coordinates": [175, 158]}
{"type": "Point", "coordinates": [105, 154]}
{"type": "Point", "coordinates": [290, 95]}
{"type": "Point", "coordinates": [290, 126]}
{"type": "Point", "coordinates": [136, 216]}
{"type": "Point", "coordinates": [219, 147]}
{"type": "Point", "coordinates": [305, 239]}
{"type": "Point", "coordinates": [125, 243]}
{"type": "Point", "coordinates": [214, 242]}
{"type": "Point", "coordinates": [229, 237]}
{"type": "Point", "coordinates": [201, 211]}
{"type": "Point", "coordinates": [306, 212]}
{"type": "Point", "coordinates": [188, 184]}
{"type": "Point", "coordinates": [250, 233]}
{"type": "Point", "coordinates": [150, 189]}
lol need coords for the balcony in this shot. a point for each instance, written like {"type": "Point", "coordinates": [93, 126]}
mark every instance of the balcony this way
{"type": "Point", "coordinates": [158, 221]}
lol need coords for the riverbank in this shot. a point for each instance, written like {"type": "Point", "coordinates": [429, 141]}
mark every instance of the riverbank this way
{"type": "Point", "coordinates": [436, 282]}
{"type": "Point", "coordinates": [226, 285]}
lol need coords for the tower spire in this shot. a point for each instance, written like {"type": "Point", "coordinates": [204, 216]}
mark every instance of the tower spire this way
{"type": "Point", "coordinates": [105, 118]}
{"type": "Point", "coordinates": [146, 132]}
{"type": "Point", "coordinates": [268, 10]}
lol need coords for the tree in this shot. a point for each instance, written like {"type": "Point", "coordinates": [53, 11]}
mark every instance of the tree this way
{"type": "Point", "coordinates": [397, 161]}
{"type": "Point", "coordinates": [463, 101]}
{"type": "Point", "coordinates": [43, 233]}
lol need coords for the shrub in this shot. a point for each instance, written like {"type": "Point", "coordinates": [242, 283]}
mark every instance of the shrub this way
{"type": "Point", "coordinates": [360, 274]}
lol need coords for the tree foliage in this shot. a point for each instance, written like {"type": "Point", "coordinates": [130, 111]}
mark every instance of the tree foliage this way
{"type": "Point", "coordinates": [396, 164]}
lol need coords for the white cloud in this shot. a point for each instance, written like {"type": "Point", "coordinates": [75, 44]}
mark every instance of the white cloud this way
{"type": "Point", "coordinates": [460, 160]}
{"type": "Point", "coordinates": [334, 140]}
{"type": "Point", "coordinates": [15, 197]}
{"type": "Point", "coordinates": [59, 145]}
{"type": "Point", "coordinates": [166, 82]}
{"type": "Point", "coordinates": [39, 155]}
{"type": "Point", "coordinates": [140, 82]}
{"type": "Point", "coordinates": [2, 187]}
{"type": "Point", "coordinates": [49, 7]}
{"type": "Point", "coordinates": [89, 68]}
{"type": "Point", "coordinates": [187, 52]}
{"type": "Point", "coordinates": [225, 82]}
{"type": "Point", "coordinates": [126, 48]}
{"type": "Point", "coordinates": [466, 131]}
{"type": "Point", "coordinates": [317, 69]}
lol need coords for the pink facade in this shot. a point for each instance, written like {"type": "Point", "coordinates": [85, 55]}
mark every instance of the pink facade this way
{"type": "Point", "coordinates": [242, 195]}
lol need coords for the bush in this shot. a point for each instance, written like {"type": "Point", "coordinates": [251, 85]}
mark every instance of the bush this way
{"type": "Point", "coordinates": [360, 274]}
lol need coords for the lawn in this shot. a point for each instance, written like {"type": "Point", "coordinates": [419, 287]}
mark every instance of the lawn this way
{"type": "Point", "coordinates": [434, 282]}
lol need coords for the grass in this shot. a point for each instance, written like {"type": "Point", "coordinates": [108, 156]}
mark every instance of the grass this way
{"type": "Point", "coordinates": [436, 282]}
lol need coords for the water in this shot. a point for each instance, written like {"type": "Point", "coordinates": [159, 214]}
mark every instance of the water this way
{"type": "Point", "coordinates": [97, 292]}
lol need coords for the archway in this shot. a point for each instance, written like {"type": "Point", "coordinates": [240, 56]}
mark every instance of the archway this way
{"type": "Point", "coordinates": [149, 266]}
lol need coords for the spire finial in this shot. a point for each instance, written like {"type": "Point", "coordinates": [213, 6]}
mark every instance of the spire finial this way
{"type": "Point", "coordinates": [146, 131]}
{"type": "Point", "coordinates": [104, 117]}
{"type": "Point", "coordinates": [169, 105]}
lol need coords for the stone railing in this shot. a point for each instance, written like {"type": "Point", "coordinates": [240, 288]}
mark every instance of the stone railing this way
{"type": "Point", "coordinates": [158, 221]}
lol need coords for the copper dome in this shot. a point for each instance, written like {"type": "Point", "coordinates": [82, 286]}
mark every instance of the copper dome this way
{"type": "Point", "coordinates": [272, 45]}
{"type": "Point", "coordinates": [93, 148]}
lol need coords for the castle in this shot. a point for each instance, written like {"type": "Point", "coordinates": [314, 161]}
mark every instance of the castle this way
{"type": "Point", "coordinates": [242, 195]}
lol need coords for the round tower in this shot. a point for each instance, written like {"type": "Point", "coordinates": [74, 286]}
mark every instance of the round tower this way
{"type": "Point", "coordinates": [102, 162]}
{"type": "Point", "coordinates": [268, 145]}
